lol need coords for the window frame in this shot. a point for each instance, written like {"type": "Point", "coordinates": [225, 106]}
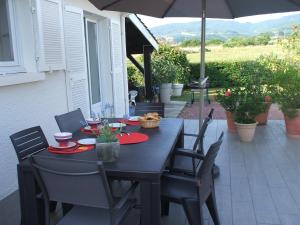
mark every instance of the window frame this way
{"type": "Point", "coordinates": [15, 65]}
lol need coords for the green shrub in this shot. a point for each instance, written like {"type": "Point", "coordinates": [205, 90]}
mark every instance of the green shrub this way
{"type": "Point", "coordinates": [135, 77]}
{"type": "Point", "coordinates": [170, 64]}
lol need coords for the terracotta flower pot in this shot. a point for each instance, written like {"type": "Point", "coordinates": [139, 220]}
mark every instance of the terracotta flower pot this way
{"type": "Point", "coordinates": [262, 118]}
{"type": "Point", "coordinates": [293, 126]}
{"type": "Point", "coordinates": [246, 131]}
{"type": "Point", "coordinates": [230, 121]}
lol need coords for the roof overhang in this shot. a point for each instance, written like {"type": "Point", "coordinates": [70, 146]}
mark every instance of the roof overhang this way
{"type": "Point", "coordinates": [138, 35]}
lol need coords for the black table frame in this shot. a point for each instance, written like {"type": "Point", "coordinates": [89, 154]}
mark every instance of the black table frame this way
{"type": "Point", "coordinates": [32, 208]}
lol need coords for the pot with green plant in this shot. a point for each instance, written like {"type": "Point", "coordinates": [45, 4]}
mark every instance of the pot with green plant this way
{"type": "Point", "coordinates": [289, 102]}
{"type": "Point", "coordinates": [248, 107]}
{"type": "Point", "coordinates": [228, 100]}
{"type": "Point", "coordinates": [107, 144]}
{"type": "Point", "coordinates": [287, 81]}
{"type": "Point", "coordinates": [164, 74]}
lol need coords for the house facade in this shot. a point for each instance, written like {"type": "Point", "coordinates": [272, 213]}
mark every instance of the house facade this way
{"type": "Point", "coordinates": [56, 56]}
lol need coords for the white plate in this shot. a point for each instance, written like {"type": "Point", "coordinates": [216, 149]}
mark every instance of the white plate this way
{"type": "Point", "coordinates": [134, 118]}
{"type": "Point", "coordinates": [117, 125]}
{"type": "Point", "coordinates": [87, 141]}
{"type": "Point", "coordinates": [70, 145]}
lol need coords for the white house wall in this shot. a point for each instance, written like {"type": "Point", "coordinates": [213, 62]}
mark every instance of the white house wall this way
{"type": "Point", "coordinates": [35, 103]}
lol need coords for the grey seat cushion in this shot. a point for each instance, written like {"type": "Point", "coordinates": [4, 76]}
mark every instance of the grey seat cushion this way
{"type": "Point", "coordinates": [80, 215]}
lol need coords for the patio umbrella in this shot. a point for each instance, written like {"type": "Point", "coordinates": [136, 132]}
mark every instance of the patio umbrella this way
{"type": "Point", "coordinates": [226, 9]}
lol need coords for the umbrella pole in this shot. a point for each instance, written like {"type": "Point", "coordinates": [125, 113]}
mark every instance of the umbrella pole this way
{"type": "Point", "coordinates": [202, 61]}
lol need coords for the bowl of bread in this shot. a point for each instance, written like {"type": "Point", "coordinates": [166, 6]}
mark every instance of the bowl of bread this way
{"type": "Point", "coordinates": [150, 120]}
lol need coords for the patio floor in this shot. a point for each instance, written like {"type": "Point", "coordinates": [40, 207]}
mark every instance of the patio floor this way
{"type": "Point", "coordinates": [259, 182]}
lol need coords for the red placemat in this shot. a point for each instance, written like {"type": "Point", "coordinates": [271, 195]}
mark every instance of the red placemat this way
{"type": "Point", "coordinates": [76, 149]}
{"type": "Point", "coordinates": [130, 123]}
{"type": "Point", "coordinates": [132, 138]}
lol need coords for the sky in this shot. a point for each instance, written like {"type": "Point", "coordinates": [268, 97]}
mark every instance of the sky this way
{"type": "Point", "coordinates": [153, 22]}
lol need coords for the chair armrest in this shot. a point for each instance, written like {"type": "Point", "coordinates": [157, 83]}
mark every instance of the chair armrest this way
{"type": "Point", "coordinates": [180, 178]}
{"type": "Point", "coordinates": [188, 153]}
{"type": "Point", "coordinates": [126, 196]}
{"type": "Point", "coordinates": [190, 135]}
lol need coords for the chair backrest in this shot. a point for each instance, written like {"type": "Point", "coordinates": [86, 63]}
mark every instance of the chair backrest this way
{"type": "Point", "coordinates": [143, 108]}
{"type": "Point", "coordinates": [71, 121]}
{"type": "Point", "coordinates": [72, 181]}
{"type": "Point", "coordinates": [28, 142]}
{"type": "Point", "coordinates": [132, 94]}
{"type": "Point", "coordinates": [198, 145]}
{"type": "Point", "coordinates": [204, 173]}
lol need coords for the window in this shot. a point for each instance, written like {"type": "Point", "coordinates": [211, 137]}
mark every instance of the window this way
{"type": "Point", "coordinates": [8, 53]}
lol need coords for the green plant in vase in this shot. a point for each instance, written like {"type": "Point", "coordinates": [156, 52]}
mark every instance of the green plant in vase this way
{"type": "Point", "coordinates": [250, 104]}
{"type": "Point", "coordinates": [107, 144]}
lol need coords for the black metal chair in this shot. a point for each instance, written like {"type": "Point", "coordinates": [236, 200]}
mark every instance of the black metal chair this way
{"type": "Point", "coordinates": [28, 142]}
{"type": "Point", "coordinates": [144, 107]}
{"type": "Point", "coordinates": [202, 132]}
{"type": "Point", "coordinates": [71, 121]}
{"type": "Point", "coordinates": [182, 160]}
{"type": "Point", "coordinates": [192, 193]}
{"type": "Point", "coordinates": [84, 185]}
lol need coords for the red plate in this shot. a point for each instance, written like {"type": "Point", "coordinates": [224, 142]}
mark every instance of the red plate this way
{"type": "Point", "coordinates": [132, 138]}
{"type": "Point", "coordinates": [73, 150]}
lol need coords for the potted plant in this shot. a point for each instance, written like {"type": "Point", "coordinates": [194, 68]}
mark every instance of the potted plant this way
{"type": "Point", "coordinates": [228, 99]}
{"type": "Point", "coordinates": [107, 144]}
{"type": "Point", "coordinates": [289, 102]}
{"type": "Point", "coordinates": [170, 65]}
{"type": "Point", "coordinates": [262, 118]}
{"type": "Point", "coordinates": [287, 95]}
{"type": "Point", "coordinates": [248, 107]}
{"type": "Point", "coordinates": [164, 72]}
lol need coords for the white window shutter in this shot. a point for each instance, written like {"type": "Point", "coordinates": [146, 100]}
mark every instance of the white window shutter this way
{"type": "Point", "coordinates": [77, 79]}
{"type": "Point", "coordinates": [117, 69]}
{"type": "Point", "coordinates": [51, 54]}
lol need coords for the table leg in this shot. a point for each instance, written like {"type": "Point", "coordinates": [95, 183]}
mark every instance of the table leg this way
{"type": "Point", "coordinates": [31, 210]}
{"type": "Point", "coordinates": [150, 203]}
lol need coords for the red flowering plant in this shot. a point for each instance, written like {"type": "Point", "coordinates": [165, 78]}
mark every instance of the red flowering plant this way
{"type": "Point", "coordinates": [228, 99]}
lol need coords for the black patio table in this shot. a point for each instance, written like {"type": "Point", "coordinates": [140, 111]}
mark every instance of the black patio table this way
{"type": "Point", "coordinates": [144, 162]}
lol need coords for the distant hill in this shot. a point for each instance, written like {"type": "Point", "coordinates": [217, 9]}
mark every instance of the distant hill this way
{"type": "Point", "coordinates": [224, 29]}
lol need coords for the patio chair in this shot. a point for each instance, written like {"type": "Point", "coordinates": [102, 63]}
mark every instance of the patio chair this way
{"type": "Point", "coordinates": [71, 121]}
{"type": "Point", "coordinates": [182, 160]}
{"type": "Point", "coordinates": [145, 107]}
{"type": "Point", "coordinates": [28, 142]}
{"type": "Point", "coordinates": [192, 193]}
{"type": "Point", "coordinates": [132, 95]}
{"type": "Point", "coordinates": [200, 146]}
{"type": "Point", "coordinates": [84, 185]}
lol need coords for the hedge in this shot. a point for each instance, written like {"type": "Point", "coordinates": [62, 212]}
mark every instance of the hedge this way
{"type": "Point", "coordinates": [221, 73]}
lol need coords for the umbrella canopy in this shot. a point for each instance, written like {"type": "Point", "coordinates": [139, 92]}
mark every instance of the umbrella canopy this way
{"type": "Point", "coordinates": [226, 9]}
